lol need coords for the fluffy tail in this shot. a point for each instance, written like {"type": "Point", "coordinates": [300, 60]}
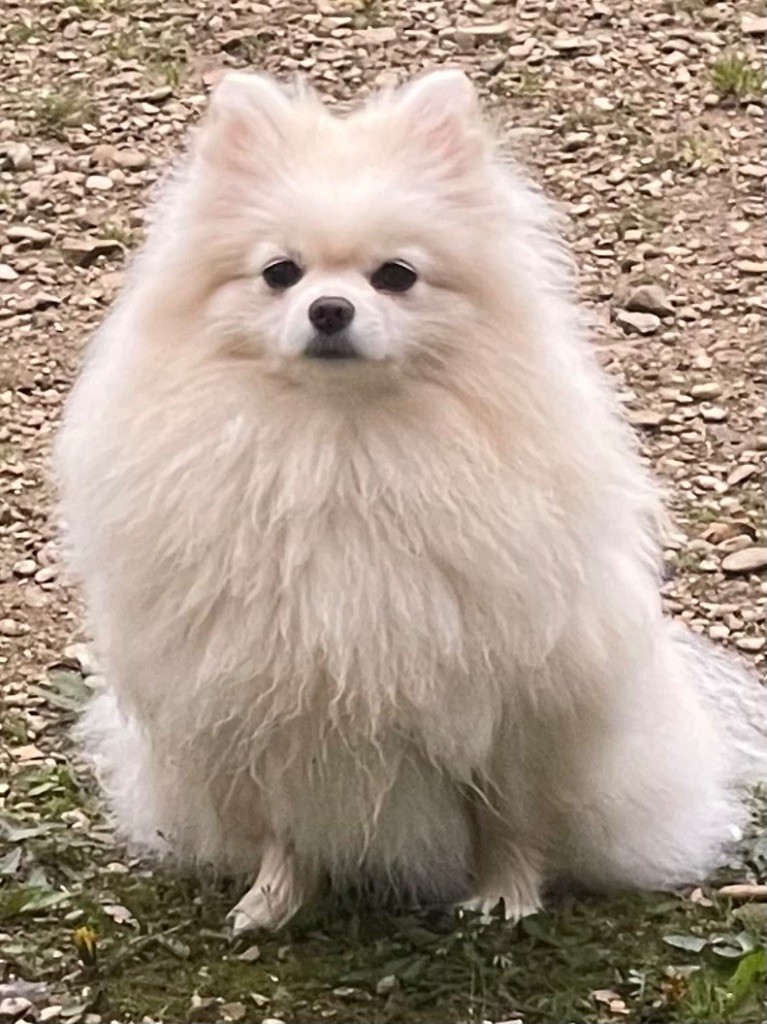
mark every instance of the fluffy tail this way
{"type": "Point", "coordinates": [666, 797]}
{"type": "Point", "coordinates": [736, 702]}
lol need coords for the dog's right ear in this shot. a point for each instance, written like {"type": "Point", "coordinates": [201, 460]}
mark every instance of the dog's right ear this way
{"type": "Point", "coordinates": [245, 122]}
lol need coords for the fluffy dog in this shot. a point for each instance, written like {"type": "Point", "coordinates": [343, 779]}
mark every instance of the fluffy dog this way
{"type": "Point", "coordinates": [369, 555]}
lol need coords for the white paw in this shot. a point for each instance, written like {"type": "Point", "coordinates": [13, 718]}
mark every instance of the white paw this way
{"type": "Point", "coordinates": [259, 909]}
{"type": "Point", "coordinates": [273, 898]}
{"type": "Point", "coordinates": [515, 907]}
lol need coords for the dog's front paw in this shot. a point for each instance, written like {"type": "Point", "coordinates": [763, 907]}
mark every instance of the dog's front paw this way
{"type": "Point", "coordinates": [273, 898]}
{"type": "Point", "coordinates": [258, 909]}
{"type": "Point", "coordinates": [515, 905]}
{"type": "Point", "coordinates": [509, 874]}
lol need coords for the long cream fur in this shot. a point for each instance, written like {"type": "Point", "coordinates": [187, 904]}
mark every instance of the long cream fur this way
{"type": "Point", "coordinates": [395, 620]}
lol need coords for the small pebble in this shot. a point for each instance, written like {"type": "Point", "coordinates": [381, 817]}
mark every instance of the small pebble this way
{"type": "Point", "coordinates": [98, 183]}
{"type": "Point", "coordinates": [10, 627]}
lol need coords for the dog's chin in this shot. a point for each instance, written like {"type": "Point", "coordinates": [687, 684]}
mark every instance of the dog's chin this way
{"type": "Point", "coordinates": [332, 350]}
{"type": "Point", "coordinates": [340, 375]}
{"type": "Point", "coordinates": [333, 365]}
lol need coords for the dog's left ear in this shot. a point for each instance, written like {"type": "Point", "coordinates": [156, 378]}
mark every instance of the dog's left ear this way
{"type": "Point", "coordinates": [439, 113]}
{"type": "Point", "coordinates": [245, 122]}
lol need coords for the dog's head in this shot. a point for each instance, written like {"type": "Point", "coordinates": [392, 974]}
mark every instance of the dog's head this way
{"type": "Point", "coordinates": [318, 243]}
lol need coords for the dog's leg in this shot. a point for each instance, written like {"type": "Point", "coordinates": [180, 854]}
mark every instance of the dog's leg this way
{"type": "Point", "coordinates": [508, 826]}
{"type": "Point", "coordinates": [506, 869]}
{"type": "Point", "coordinates": [275, 896]}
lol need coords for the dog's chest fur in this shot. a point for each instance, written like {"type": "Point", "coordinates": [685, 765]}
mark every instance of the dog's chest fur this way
{"type": "Point", "coordinates": [292, 569]}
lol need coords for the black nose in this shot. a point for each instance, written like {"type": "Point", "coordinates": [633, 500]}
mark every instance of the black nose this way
{"type": "Point", "coordinates": [331, 314]}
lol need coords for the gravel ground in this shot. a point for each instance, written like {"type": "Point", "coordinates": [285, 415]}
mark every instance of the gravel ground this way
{"type": "Point", "coordinates": [644, 120]}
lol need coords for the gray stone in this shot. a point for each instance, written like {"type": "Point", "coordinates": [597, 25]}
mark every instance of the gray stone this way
{"type": "Point", "coordinates": [646, 418]}
{"type": "Point", "coordinates": [714, 414]}
{"type": "Point", "coordinates": [25, 567]}
{"type": "Point", "coordinates": [709, 389]}
{"type": "Point", "coordinates": [26, 233]}
{"type": "Point", "coordinates": [18, 156]}
{"type": "Point", "coordinates": [131, 159]}
{"type": "Point", "coordinates": [494, 64]}
{"type": "Point", "coordinates": [34, 991]}
{"type": "Point", "coordinates": [40, 300]}
{"type": "Point", "coordinates": [488, 31]}
{"type": "Point", "coordinates": [98, 183]}
{"type": "Point", "coordinates": [84, 251]}
{"type": "Point", "coordinates": [741, 473]}
{"type": "Point", "coordinates": [753, 25]}
{"type": "Point", "coordinates": [637, 323]}
{"type": "Point", "coordinates": [745, 561]}
{"type": "Point", "coordinates": [574, 44]}
{"type": "Point", "coordinates": [386, 985]}
{"type": "Point", "coordinates": [751, 644]}
{"type": "Point", "coordinates": [14, 1007]}
{"type": "Point", "coordinates": [379, 35]}
{"type": "Point", "coordinates": [649, 298]}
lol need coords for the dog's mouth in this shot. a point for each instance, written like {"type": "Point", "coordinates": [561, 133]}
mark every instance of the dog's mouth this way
{"type": "Point", "coordinates": [331, 348]}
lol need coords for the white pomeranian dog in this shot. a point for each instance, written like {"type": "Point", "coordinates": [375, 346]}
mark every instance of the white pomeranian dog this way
{"type": "Point", "coordinates": [369, 554]}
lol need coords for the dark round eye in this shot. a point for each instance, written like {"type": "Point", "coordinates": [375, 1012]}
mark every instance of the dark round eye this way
{"type": "Point", "coordinates": [394, 276]}
{"type": "Point", "coordinates": [282, 274]}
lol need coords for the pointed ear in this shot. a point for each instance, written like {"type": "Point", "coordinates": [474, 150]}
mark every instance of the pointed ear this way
{"type": "Point", "coordinates": [440, 116]}
{"type": "Point", "coordinates": [246, 121]}
{"type": "Point", "coordinates": [436, 94]}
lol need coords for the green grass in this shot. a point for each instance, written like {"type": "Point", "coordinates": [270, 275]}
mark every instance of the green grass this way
{"type": "Point", "coordinates": [119, 231]}
{"type": "Point", "coordinates": [699, 148]}
{"type": "Point", "coordinates": [168, 71]}
{"type": "Point", "coordinates": [585, 115]}
{"type": "Point", "coordinates": [122, 45]}
{"type": "Point", "coordinates": [55, 112]}
{"type": "Point", "coordinates": [523, 86]}
{"type": "Point", "coordinates": [159, 52]}
{"type": "Point", "coordinates": [685, 150]}
{"type": "Point", "coordinates": [686, 562]}
{"type": "Point", "coordinates": [113, 936]}
{"type": "Point", "coordinates": [20, 32]}
{"type": "Point", "coordinates": [530, 83]}
{"type": "Point", "coordinates": [651, 215]}
{"type": "Point", "coordinates": [733, 76]}
{"type": "Point", "coordinates": [368, 14]}
{"type": "Point", "coordinates": [172, 946]}
{"type": "Point", "coordinates": [250, 47]}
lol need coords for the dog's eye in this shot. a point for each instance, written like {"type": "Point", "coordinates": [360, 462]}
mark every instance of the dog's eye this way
{"type": "Point", "coordinates": [282, 274]}
{"type": "Point", "coordinates": [394, 276]}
